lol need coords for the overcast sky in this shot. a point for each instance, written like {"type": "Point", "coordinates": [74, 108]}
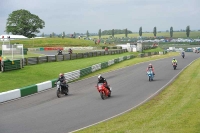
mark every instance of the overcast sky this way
{"type": "Point", "coordinates": [78, 16]}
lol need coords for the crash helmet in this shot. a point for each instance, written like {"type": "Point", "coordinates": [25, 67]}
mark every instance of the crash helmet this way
{"type": "Point", "coordinates": [99, 77]}
{"type": "Point", "coordinates": [61, 75]}
{"type": "Point", "coordinates": [173, 58]}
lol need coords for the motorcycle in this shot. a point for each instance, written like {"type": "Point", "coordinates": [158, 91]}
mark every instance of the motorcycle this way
{"type": "Point", "coordinates": [62, 89]}
{"type": "Point", "coordinates": [104, 92]}
{"type": "Point", "coordinates": [60, 52]}
{"type": "Point", "coordinates": [150, 74]}
{"type": "Point", "coordinates": [174, 65]}
{"type": "Point", "coordinates": [183, 55]}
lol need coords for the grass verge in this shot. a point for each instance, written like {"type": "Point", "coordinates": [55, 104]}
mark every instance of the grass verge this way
{"type": "Point", "coordinates": [174, 110]}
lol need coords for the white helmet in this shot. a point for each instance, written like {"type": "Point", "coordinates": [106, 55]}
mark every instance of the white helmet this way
{"type": "Point", "coordinates": [99, 77]}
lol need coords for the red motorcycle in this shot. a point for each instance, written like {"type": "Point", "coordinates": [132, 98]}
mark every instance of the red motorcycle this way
{"type": "Point", "coordinates": [174, 65]}
{"type": "Point", "coordinates": [104, 92]}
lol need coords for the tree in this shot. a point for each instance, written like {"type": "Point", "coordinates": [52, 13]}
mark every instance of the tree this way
{"type": "Point", "coordinates": [74, 34]}
{"type": "Point", "coordinates": [43, 34]}
{"type": "Point", "coordinates": [22, 22]}
{"type": "Point", "coordinates": [99, 33]}
{"type": "Point", "coordinates": [188, 31]}
{"type": "Point", "coordinates": [87, 33]}
{"type": "Point", "coordinates": [50, 36]}
{"type": "Point", "coordinates": [140, 31]}
{"type": "Point", "coordinates": [63, 34]}
{"type": "Point", "coordinates": [113, 33]}
{"type": "Point", "coordinates": [171, 32]}
{"type": "Point", "coordinates": [53, 34]}
{"type": "Point", "coordinates": [154, 31]}
{"type": "Point", "coordinates": [126, 32]}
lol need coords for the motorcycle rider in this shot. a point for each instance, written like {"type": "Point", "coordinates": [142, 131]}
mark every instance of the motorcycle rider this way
{"type": "Point", "coordinates": [59, 51]}
{"type": "Point", "coordinates": [70, 51]}
{"type": "Point", "coordinates": [62, 80]}
{"type": "Point", "coordinates": [182, 53]}
{"type": "Point", "coordinates": [174, 61]}
{"type": "Point", "coordinates": [103, 80]}
{"type": "Point", "coordinates": [152, 68]}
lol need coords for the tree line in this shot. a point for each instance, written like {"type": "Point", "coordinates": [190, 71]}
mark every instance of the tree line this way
{"type": "Point", "coordinates": [22, 22]}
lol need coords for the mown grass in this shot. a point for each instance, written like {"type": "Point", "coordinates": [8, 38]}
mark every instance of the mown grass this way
{"type": "Point", "coordinates": [157, 49]}
{"type": "Point", "coordinates": [174, 110]}
{"type": "Point", "coordinates": [54, 42]}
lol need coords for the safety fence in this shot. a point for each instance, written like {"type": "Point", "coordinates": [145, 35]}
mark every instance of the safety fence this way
{"type": "Point", "coordinates": [53, 58]}
{"type": "Point", "coordinates": [152, 53]}
{"type": "Point", "coordinates": [70, 76]}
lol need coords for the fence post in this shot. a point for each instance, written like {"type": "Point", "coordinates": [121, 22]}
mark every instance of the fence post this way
{"type": "Point", "coordinates": [26, 61]}
{"type": "Point", "coordinates": [38, 61]}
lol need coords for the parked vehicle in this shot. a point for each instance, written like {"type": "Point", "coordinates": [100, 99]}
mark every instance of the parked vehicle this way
{"type": "Point", "coordinates": [62, 89]}
{"type": "Point", "coordinates": [103, 91]}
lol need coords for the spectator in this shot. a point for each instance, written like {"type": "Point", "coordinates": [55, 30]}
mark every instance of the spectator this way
{"type": "Point", "coordinates": [70, 51]}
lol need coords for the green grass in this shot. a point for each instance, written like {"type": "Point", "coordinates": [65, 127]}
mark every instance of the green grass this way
{"type": "Point", "coordinates": [157, 49]}
{"type": "Point", "coordinates": [55, 42]}
{"type": "Point", "coordinates": [174, 110]}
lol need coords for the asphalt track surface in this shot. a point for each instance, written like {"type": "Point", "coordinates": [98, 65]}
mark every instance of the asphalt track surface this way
{"type": "Point", "coordinates": [45, 113]}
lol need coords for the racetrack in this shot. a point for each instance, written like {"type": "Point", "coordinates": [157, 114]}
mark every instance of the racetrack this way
{"type": "Point", "coordinates": [45, 113]}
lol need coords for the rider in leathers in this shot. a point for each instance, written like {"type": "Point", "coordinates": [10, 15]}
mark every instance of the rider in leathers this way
{"type": "Point", "coordinates": [62, 80]}
{"type": "Point", "coordinates": [103, 80]}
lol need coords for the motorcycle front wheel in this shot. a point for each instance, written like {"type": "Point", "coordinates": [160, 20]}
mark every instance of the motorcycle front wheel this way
{"type": "Point", "coordinates": [102, 95]}
{"type": "Point", "coordinates": [58, 93]}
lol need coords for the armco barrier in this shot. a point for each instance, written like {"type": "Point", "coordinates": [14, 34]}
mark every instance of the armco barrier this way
{"type": "Point", "coordinates": [70, 76]}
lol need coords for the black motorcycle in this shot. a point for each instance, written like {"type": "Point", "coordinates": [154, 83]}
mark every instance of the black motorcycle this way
{"type": "Point", "coordinates": [62, 89]}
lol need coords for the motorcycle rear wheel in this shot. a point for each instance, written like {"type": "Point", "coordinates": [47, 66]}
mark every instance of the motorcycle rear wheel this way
{"type": "Point", "coordinates": [109, 95]}
{"type": "Point", "coordinates": [66, 91]}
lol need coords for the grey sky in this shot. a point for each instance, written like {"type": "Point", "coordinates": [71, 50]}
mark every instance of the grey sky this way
{"type": "Point", "coordinates": [81, 15]}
